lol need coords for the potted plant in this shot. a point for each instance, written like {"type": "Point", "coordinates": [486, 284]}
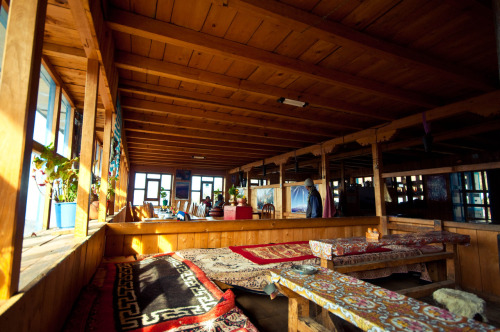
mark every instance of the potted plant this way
{"type": "Point", "coordinates": [61, 174]}
{"type": "Point", "coordinates": [94, 196]}
{"type": "Point", "coordinates": [233, 191]}
{"type": "Point", "coordinates": [242, 200]}
{"type": "Point", "coordinates": [163, 194]}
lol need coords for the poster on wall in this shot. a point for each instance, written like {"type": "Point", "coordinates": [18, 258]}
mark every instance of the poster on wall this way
{"type": "Point", "coordinates": [299, 198]}
{"type": "Point", "coordinates": [184, 175]}
{"type": "Point", "coordinates": [182, 190]}
{"type": "Point", "coordinates": [265, 196]}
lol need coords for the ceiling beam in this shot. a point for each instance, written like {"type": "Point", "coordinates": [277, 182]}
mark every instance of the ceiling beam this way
{"type": "Point", "coordinates": [196, 133]}
{"type": "Point", "coordinates": [260, 122]}
{"type": "Point", "coordinates": [329, 106]}
{"type": "Point", "coordinates": [336, 33]}
{"type": "Point", "coordinates": [214, 126]}
{"type": "Point", "coordinates": [202, 142]}
{"type": "Point", "coordinates": [145, 27]}
{"type": "Point", "coordinates": [194, 151]}
{"type": "Point", "coordinates": [487, 102]}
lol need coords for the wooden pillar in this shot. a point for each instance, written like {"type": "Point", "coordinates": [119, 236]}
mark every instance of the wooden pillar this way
{"type": "Point", "coordinates": [54, 138]}
{"type": "Point", "coordinates": [247, 188]}
{"type": "Point", "coordinates": [496, 11]}
{"type": "Point", "coordinates": [283, 190]}
{"type": "Point", "coordinates": [325, 174]}
{"type": "Point", "coordinates": [106, 147]}
{"type": "Point", "coordinates": [87, 149]}
{"type": "Point", "coordinates": [18, 97]}
{"type": "Point", "coordinates": [378, 181]}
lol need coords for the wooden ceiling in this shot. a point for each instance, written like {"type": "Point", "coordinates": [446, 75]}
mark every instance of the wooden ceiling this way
{"type": "Point", "coordinates": [202, 78]}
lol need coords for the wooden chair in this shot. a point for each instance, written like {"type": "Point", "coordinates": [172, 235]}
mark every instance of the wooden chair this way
{"type": "Point", "coordinates": [131, 209]}
{"type": "Point", "coordinates": [268, 211]}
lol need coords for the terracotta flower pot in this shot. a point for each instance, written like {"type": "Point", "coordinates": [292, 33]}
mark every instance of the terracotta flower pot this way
{"type": "Point", "coordinates": [242, 201]}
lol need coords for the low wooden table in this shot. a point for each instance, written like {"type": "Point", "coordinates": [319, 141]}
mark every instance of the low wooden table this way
{"type": "Point", "coordinates": [367, 306]}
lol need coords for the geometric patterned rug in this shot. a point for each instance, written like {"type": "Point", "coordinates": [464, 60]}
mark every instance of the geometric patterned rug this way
{"type": "Point", "coordinates": [161, 293]}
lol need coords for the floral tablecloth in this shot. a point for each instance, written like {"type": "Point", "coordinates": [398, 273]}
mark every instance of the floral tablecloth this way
{"type": "Point", "coordinates": [370, 307]}
{"type": "Point", "coordinates": [329, 248]}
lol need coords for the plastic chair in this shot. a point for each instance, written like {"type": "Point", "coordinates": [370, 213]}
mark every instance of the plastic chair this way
{"type": "Point", "coordinates": [268, 211]}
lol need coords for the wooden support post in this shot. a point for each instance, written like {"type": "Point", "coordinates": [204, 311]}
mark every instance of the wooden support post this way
{"type": "Point", "coordinates": [283, 190]}
{"type": "Point", "coordinates": [18, 98]}
{"type": "Point", "coordinates": [111, 207]}
{"type": "Point", "coordinates": [453, 265]}
{"type": "Point", "coordinates": [247, 188]}
{"type": "Point", "coordinates": [106, 147]}
{"type": "Point", "coordinates": [54, 138]}
{"type": "Point", "coordinates": [325, 175]}
{"type": "Point", "coordinates": [87, 149]}
{"type": "Point", "coordinates": [378, 181]}
{"type": "Point", "coordinates": [496, 12]}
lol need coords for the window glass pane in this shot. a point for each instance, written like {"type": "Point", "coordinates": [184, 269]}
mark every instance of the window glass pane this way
{"type": "Point", "coordinates": [218, 184]}
{"type": "Point", "coordinates": [475, 198]}
{"type": "Point", "coordinates": [43, 117]}
{"type": "Point", "coordinates": [166, 181]}
{"type": "Point", "coordinates": [62, 145]}
{"type": "Point", "coordinates": [153, 189]}
{"type": "Point", "coordinates": [154, 176]}
{"type": "Point", "coordinates": [476, 212]}
{"type": "Point", "coordinates": [138, 197]}
{"type": "Point", "coordinates": [468, 181]}
{"type": "Point", "coordinates": [478, 183]}
{"type": "Point", "coordinates": [207, 179]}
{"type": "Point", "coordinates": [195, 196]}
{"type": "Point", "coordinates": [140, 180]}
{"type": "Point", "coordinates": [207, 190]}
{"type": "Point", "coordinates": [3, 26]}
{"type": "Point", "coordinates": [486, 181]}
{"type": "Point", "coordinates": [196, 183]}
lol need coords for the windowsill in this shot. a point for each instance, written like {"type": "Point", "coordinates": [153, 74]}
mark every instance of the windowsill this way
{"type": "Point", "coordinates": [42, 251]}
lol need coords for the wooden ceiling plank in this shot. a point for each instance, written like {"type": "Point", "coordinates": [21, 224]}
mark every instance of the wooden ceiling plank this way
{"type": "Point", "coordinates": [166, 155]}
{"type": "Point", "coordinates": [168, 33]}
{"type": "Point", "coordinates": [262, 122]}
{"type": "Point", "coordinates": [207, 151]}
{"type": "Point", "coordinates": [213, 126]}
{"type": "Point", "coordinates": [202, 141]}
{"type": "Point", "coordinates": [177, 72]}
{"type": "Point", "coordinates": [196, 133]}
{"type": "Point", "coordinates": [337, 33]}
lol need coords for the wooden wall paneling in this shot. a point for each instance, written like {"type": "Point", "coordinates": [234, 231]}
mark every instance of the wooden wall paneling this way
{"type": "Point", "coordinates": [359, 230]}
{"type": "Point", "coordinates": [128, 245]}
{"type": "Point", "coordinates": [185, 241]}
{"type": "Point", "coordinates": [87, 150]}
{"type": "Point", "coordinates": [18, 98]}
{"type": "Point", "coordinates": [287, 235]}
{"type": "Point", "coordinates": [489, 261]}
{"type": "Point", "coordinates": [226, 239]}
{"type": "Point", "coordinates": [214, 239]}
{"type": "Point", "coordinates": [167, 243]}
{"type": "Point", "coordinates": [150, 244]}
{"type": "Point", "coordinates": [469, 261]}
{"type": "Point", "coordinates": [252, 237]}
{"type": "Point", "coordinates": [276, 235]}
{"type": "Point", "coordinates": [201, 240]}
{"type": "Point", "coordinates": [80, 280]}
{"type": "Point", "coordinates": [264, 236]}
{"type": "Point", "coordinates": [114, 245]}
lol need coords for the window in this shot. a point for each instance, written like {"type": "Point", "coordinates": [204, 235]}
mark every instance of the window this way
{"type": "Point", "coordinates": [64, 126]}
{"type": "Point", "coordinates": [470, 197]}
{"type": "Point", "coordinates": [203, 186]}
{"type": "Point", "coordinates": [336, 192]}
{"type": "Point", "coordinates": [147, 188]}
{"type": "Point", "coordinates": [44, 108]}
{"type": "Point", "coordinates": [408, 188]}
{"type": "Point", "coordinates": [364, 181]}
{"type": "Point", "coordinates": [36, 198]}
{"type": "Point", "coordinates": [3, 27]}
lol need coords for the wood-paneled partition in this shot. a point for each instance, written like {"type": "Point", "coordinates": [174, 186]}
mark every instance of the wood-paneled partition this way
{"type": "Point", "coordinates": [155, 237]}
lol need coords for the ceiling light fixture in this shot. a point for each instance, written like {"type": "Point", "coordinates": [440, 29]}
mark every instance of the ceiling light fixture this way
{"type": "Point", "coordinates": [292, 102]}
{"type": "Point", "coordinates": [199, 157]}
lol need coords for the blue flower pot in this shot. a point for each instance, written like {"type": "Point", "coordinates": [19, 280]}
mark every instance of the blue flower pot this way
{"type": "Point", "coordinates": [65, 214]}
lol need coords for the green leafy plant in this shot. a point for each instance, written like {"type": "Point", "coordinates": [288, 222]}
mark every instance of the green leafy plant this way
{"type": "Point", "coordinates": [59, 172]}
{"type": "Point", "coordinates": [163, 194]}
{"type": "Point", "coordinates": [233, 190]}
{"type": "Point", "coordinates": [96, 187]}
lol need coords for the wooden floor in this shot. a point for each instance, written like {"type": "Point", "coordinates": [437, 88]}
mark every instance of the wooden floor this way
{"type": "Point", "coordinates": [266, 314]}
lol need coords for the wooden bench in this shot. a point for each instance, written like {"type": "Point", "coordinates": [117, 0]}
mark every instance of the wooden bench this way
{"type": "Point", "coordinates": [449, 255]}
{"type": "Point", "coordinates": [364, 305]}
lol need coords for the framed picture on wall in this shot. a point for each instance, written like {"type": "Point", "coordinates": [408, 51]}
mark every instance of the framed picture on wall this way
{"type": "Point", "coordinates": [182, 190]}
{"type": "Point", "coordinates": [183, 175]}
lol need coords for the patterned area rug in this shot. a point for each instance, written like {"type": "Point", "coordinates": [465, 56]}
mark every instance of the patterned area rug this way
{"type": "Point", "coordinates": [164, 293]}
{"type": "Point", "coordinates": [275, 253]}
